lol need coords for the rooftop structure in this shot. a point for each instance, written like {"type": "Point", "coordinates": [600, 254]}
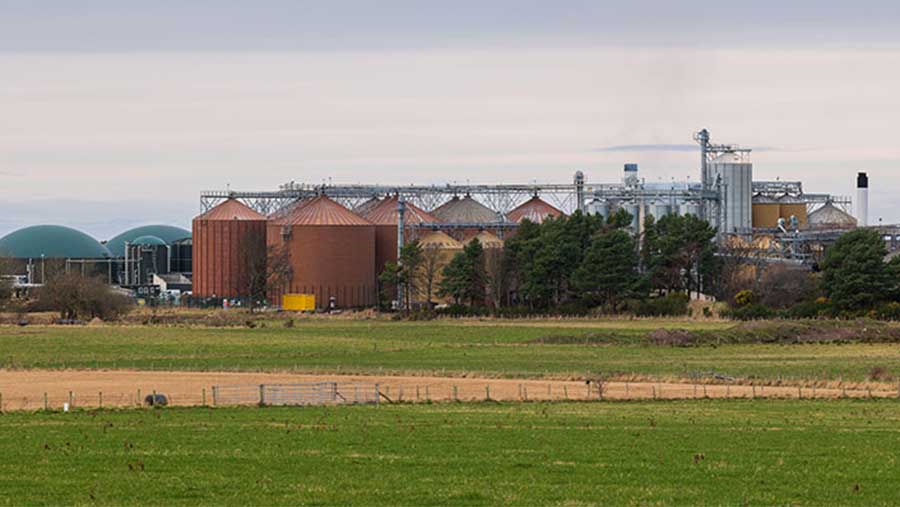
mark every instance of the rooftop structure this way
{"type": "Point", "coordinates": [52, 242]}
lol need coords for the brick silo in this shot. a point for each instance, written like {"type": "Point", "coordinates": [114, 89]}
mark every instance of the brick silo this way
{"type": "Point", "coordinates": [384, 215]}
{"type": "Point", "coordinates": [331, 251]}
{"type": "Point", "coordinates": [225, 239]}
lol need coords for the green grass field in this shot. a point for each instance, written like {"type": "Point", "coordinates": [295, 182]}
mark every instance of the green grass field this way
{"type": "Point", "coordinates": [689, 452]}
{"type": "Point", "coordinates": [510, 349]}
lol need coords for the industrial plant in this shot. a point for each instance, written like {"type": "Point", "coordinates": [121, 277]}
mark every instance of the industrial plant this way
{"type": "Point", "coordinates": [336, 239]}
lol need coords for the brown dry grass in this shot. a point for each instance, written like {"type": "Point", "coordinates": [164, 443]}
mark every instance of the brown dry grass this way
{"type": "Point", "coordinates": [24, 390]}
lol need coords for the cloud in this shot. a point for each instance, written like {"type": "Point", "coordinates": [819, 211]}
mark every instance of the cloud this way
{"type": "Point", "coordinates": [650, 147]}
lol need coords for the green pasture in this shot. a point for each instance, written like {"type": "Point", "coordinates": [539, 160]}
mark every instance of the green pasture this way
{"type": "Point", "coordinates": [734, 452]}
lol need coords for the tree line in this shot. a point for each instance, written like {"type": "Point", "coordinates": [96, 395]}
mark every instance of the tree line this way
{"type": "Point", "coordinates": [568, 264]}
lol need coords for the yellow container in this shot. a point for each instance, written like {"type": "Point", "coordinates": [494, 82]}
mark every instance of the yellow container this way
{"type": "Point", "coordinates": [298, 302]}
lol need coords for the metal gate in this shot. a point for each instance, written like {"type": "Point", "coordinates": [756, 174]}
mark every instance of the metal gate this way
{"type": "Point", "coordinates": [306, 393]}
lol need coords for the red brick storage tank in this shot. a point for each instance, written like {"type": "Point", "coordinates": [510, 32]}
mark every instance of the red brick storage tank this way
{"type": "Point", "coordinates": [331, 251]}
{"type": "Point", "coordinates": [384, 215]}
{"type": "Point", "coordinates": [224, 237]}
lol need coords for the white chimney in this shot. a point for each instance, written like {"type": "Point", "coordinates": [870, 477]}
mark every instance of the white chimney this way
{"type": "Point", "coordinates": [862, 199]}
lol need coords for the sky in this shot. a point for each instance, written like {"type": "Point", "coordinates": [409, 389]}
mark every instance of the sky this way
{"type": "Point", "coordinates": [119, 113]}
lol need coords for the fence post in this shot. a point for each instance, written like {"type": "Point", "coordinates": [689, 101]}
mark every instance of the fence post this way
{"type": "Point", "coordinates": [417, 392]}
{"type": "Point", "coordinates": [215, 394]}
{"type": "Point", "coordinates": [71, 401]}
{"type": "Point", "coordinates": [566, 392]}
{"type": "Point", "coordinates": [377, 394]}
{"type": "Point", "coordinates": [487, 392]}
{"type": "Point", "coordinates": [138, 400]}
{"type": "Point", "coordinates": [654, 391]}
{"type": "Point", "coordinates": [754, 391]}
{"type": "Point", "coordinates": [455, 393]}
{"type": "Point", "coordinates": [100, 400]}
{"type": "Point", "coordinates": [520, 392]}
{"type": "Point", "coordinates": [727, 391]}
{"type": "Point", "coordinates": [262, 394]}
{"type": "Point", "coordinates": [400, 394]}
{"type": "Point", "coordinates": [627, 391]}
{"type": "Point", "coordinates": [525, 392]}
{"type": "Point", "coordinates": [427, 393]}
{"type": "Point", "coordinates": [203, 396]}
{"type": "Point", "coordinates": [549, 392]}
{"type": "Point", "coordinates": [704, 391]}
{"type": "Point", "coordinates": [46, 404]}
{"type": "Point", "coordinates": [799, 393]}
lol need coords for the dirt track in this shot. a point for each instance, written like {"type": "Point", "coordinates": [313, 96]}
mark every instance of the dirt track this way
{"type": "Point", "coordinates": [25, 389]}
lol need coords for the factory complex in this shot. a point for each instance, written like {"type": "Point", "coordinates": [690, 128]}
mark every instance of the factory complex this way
{"type": "Point", "coordinates": [332, 241]}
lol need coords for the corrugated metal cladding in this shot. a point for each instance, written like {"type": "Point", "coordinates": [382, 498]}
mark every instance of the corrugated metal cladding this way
{"type": "Point", "coordinates": [331, 251]}
{"type": "Point", "coordinates": [766, 214]}
{"type": "Point", "coordinates": [384, 215]}
{"type": "Point", "coordinates": [535, 209]}
{"type": "Point", "coordinates": [737, 178]}
{"type": "Point", "coordinates": [223, 238]}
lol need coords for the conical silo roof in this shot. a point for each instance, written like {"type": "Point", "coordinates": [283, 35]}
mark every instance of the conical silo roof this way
{"type": "Point", "coordinates": [488, 240]}
{"type": "Point", "coordinates": [367, 206]}
{"type": "Point", "coordinates": [232, 209]}
{"type": "Point", "coordinates": [288, 209]}
{"type": "Point", "coordinates": [321, 210]}
{"type": "Point", "coordinates": [385, 213]}
{"type": "Point", "coordinates": [465, 210]}
{"type": "Point", "coordinates": [439, 239]}
{"type": "Point", "coordinates": [829, 214]}
{"type": "Point", "coordinates": [535, 209]}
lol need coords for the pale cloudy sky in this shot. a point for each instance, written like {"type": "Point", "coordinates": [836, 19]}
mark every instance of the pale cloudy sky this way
{"type": "Point", "coordinates": [117, 113]}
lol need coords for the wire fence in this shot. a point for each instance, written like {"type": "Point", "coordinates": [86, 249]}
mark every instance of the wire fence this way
{"type": "Point", "coordinates": [304, 393]}
{"type": "Point", "coordinates": [388, 390]}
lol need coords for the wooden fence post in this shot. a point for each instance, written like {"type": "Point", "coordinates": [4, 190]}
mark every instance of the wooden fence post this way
{"type": "Point", "coordinates": [487, 392]}
{"type": "Point", "coordinates": [46, 404]}
{"type": "Point", "coordinates": [566, 392]}
{"type": "Point", "coordinates": [100, 400]}
{"type": "Point", "coordinates": [203, 396]}
{"type": "Point", "coordinates": [71, 401]}
{"type": "Point", "coordinates": [262, 394]}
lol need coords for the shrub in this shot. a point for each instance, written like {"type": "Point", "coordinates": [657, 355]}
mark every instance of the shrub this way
{"type": "Point", "coordinates": [76, 297]}
{"type": "Point", "coordinates": [674, 304]}
{"type": "Point", "coordinates": [745, 297]}
{"type": "Point", "coordinates": [753, 311]}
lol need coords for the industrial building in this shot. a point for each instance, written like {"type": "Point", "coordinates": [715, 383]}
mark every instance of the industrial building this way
{"type": "Point", "coordinates": [336, 239]}
{"type": "Point", "coordinates": [131, 259]}
{"type": "Point", "coordinates": [226, 239]}
{"type": "Point", "coordinates": [337, 253]}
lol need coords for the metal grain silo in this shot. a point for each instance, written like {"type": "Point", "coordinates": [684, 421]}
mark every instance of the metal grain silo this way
{"type": "Point", "coordinates": [689, 208]}
{"type": "Point", "coordinates": [599, 207]}
{"type": "Point", "coordinates": [331, 251]}
{"type": "Point", "coordinates": [736, 192]}
{"type": "Point", "coordinates": [634, 209]}
{"type": "Point", "coordinates": [659, 209]}
{"type": "Point", "coordinates": [224, 238]}
{"type": "Point", "coordinates": [790, 206]}
{"type": "Point", "coordinates": [385, 215]}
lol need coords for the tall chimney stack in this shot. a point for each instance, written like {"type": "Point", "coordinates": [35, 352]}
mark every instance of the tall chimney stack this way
{"type": "Point", "coordinates": [862, 199]}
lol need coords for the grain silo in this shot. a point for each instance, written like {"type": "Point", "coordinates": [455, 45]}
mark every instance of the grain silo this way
{"type": "Point", "coordinates": [765, 212]}
{"type": "Point", "coordinates": [385, 215]}
{"type": "Point", "coordinates": [226, 240]}
{"type": "Point", "coordinates": [790, 206]}
{"type": "Point", "coordinates": [331, 251]}
{"type": "Point", "coordinates": [736, 192]}
{"type": "Point", "coordinates": [465, 210]}
{"type": "Point", "coordinates": [535, 210]}
{"type": "Point", "coordinates": [438, 249]}
{"type": "Point", "coordinates": [488, 240]}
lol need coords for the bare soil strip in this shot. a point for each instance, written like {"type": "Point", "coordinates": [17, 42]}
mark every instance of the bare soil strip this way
{"type": "Point", "coordinates": [25, 389]}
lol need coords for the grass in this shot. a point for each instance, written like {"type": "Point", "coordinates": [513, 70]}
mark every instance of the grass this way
{"type": "Point", "coordinates": [688, 452]}
{"type": "Point", "coordinates": [507, 349]}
